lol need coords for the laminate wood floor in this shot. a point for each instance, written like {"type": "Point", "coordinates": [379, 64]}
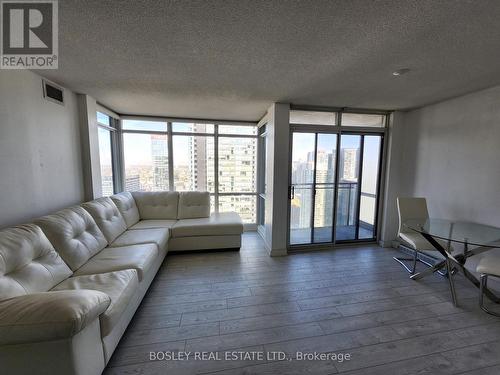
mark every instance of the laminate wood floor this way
{"type": "Point", "coordinates": [352, 300]}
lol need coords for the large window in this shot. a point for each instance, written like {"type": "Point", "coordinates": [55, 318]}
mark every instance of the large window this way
{"type": "Point", "coordinates": [181, 156]}
{"type": "Point", "coordinates": [146, 161]}
{"type": "Point", "coordinates": [237, 171]}
{"type": "Point", "coordinates": [106, 132]}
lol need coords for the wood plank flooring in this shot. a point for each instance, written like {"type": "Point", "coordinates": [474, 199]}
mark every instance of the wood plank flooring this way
{"type": "Point", "coordinates": [353, 300]}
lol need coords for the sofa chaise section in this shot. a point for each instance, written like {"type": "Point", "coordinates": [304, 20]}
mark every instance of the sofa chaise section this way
{"type": "Point", "coordinates": [197, 229]}
{"type": "Point", "coordinates": [218, 231]}
{"type": "Point", "coordinates": [186, 215]}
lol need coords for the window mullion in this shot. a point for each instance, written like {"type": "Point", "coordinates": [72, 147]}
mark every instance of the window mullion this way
{"type": "Point", "coordinates": [216, 167]}
{"type": "Point", "coordinates": [170, 157]}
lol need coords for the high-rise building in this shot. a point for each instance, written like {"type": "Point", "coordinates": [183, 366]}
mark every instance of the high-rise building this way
{"type": "Point", "coordinates": [159, 156]}
{"type": "Point", "coordinates": [324, 175]}
{"type": "Point", "coordinates": [349, 164]}
{"type": "Point", "coordinates": [237, 158]}
{"type": "Point", "coordinates": [133, 183]}
{"type": "Point", "coordinates": [201, 162]}
{"type": "Point", "coordinates": [107, 185]}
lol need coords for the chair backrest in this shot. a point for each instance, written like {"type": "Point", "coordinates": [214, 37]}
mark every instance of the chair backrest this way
{"type": "Point", "coordinates": [411, 208]}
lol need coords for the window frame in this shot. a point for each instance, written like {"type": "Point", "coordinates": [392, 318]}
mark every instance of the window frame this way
{"type": "Point", "coordinates": [114, 134]}
{"type": "Point", "coordinates": [261, 174]}
{"type": "Point", "coordinates": [339, 126]}
{"type": "Point", "coordinates": [170, 133]}
{"type": "Point", "coordinates": [341, 129]}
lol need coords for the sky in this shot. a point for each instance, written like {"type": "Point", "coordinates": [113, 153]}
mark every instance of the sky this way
{"type": "Point", "coordinates": [304, 143]}
{"type": "Point", "coordinates": [137, 147]}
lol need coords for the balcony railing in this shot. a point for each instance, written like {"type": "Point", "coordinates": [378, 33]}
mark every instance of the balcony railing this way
{"type": "Point", "coordinates": [346, 202]}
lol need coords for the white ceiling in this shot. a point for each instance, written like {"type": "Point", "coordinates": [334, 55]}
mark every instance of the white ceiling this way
{"type": "Point", "coordinates": [232, 59]}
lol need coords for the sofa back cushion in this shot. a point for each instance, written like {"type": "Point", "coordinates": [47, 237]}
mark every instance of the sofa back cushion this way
{"type": "Point", "coordinates": [127, 207]}
{"type": "Point", "coordinates": [28, 262]}
{"type": "Point", "coordinates": [194, 204]}
{"type": "Point", "coordinates": [74, 234]}
{"type": "Point", "coordinates": [108, 218]}
{"type": "Point", "coordinates": [157, 205]}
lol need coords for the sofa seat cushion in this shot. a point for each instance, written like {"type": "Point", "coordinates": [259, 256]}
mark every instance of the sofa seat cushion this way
{"type": "Point", "coordinates": [120, 286]}
{"type": "Point", "coordinates": [28, 262]}
{"type": "Point", "coordinates": [74, 234]}
{"type": "Point", "coordinates": [125, 203]}
{"type": "Point", "coordinates": [156, 236]}
{"type": "Point", "coordinates": [224, 223]}
{"type": "Point", "coordinates": [107, 216]}
{"type": "Point", "coordinates": [153, 224]}
{"type": "Point", "coordinates": [155, 205]}
{"type": "Point", "coordinates": [138, 257]}
{"type": "Point", "coordinates": [49, 316]}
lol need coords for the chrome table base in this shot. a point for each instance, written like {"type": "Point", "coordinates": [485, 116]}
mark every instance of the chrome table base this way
{"type": "Point", "coordinates": [452, 264]}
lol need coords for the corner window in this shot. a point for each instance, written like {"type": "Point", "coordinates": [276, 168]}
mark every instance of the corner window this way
{"type": "Point", "coordinates": [204, 156]}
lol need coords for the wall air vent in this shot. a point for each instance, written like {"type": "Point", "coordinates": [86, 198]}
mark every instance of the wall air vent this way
{"type": "Point", "coordinates": [53, 92]}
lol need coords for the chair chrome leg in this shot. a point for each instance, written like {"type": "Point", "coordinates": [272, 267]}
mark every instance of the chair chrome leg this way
{"type": "Point", "coordinates": [415, 276]}
{"type": "Point", "coordinates": [403, 261]}
{"type": "Point", "coordinates": [482, 287]}
{"type": "Point", "coordinates": [428, 271]}
{"type": "Point", "coordinates": [451, 281]}
{"type": "Point", "coordinates": [442, 273]}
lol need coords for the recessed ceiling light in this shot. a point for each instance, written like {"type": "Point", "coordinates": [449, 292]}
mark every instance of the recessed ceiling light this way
{"type": "Point", "coordinates": [400, 72]}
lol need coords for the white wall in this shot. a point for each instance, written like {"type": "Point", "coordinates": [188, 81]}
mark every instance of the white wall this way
{"type": "Point", "coordinates": [450, 154]}
{"type": "Point", "coordinates": [394, 180]}
{"type": "Point", "coordinates": [40, 164]}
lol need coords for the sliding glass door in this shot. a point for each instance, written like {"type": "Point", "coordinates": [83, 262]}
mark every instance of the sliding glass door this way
{"type": "Point", "coordinates": [334, 179]}
{"type": "Point", "coordinates": [302, 187]}
{"type": "Point", "coordinates": [324, 189]}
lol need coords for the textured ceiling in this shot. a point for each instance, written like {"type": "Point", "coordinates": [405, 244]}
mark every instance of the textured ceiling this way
{"type": "Point", "coordinates": [232, 59]}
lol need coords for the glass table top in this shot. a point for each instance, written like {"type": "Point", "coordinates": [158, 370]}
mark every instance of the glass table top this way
{"type": "Point", "coordinates": [457, 231]}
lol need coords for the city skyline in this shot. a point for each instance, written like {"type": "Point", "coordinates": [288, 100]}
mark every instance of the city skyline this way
{"type": "Point", "coordinates": [194, 166]}
{"type": "Point", "coordinates": [305, 178]}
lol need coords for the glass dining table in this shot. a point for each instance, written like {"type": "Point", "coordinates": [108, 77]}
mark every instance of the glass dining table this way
{"type": "Point", "coordinates": [456, 241]}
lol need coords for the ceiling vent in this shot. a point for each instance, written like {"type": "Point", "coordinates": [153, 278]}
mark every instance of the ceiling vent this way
{"type": "Point", "coordinates": [53, 92]}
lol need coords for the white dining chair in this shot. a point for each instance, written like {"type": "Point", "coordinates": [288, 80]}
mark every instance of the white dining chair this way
{"type": "Point", "coordinates": [488, 266]}
{"type": "Point", "coordinates": [414, 209]}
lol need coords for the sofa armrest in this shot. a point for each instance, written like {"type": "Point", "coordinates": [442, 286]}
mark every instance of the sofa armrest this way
{"type": "Point", "coordinates": [49, 315]}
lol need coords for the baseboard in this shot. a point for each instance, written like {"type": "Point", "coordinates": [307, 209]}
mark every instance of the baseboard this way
{"type": "Point", "coordinates": [278, 252]}
{"type": "Point", "coordinates": [382, 243]}
{"type": "Point", "coordinates": [391, 243]}
{"type": "Point", "coordinates": [272, 253]}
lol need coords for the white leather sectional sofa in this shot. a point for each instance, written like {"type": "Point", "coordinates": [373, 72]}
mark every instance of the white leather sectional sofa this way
{"type": "Point", "coordinates": [71, 282]}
